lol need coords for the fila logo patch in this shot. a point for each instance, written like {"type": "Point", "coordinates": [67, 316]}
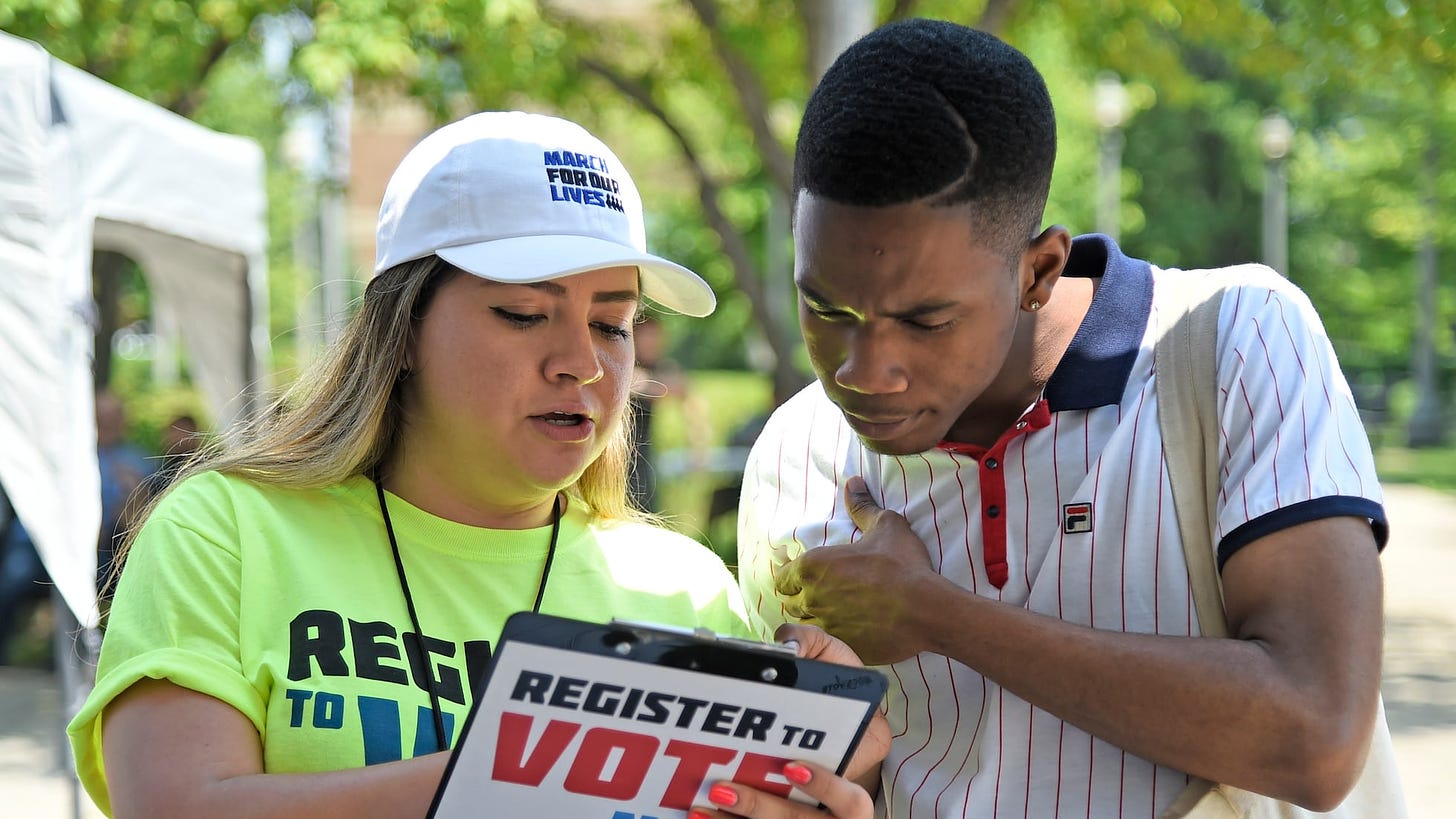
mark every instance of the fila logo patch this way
{"type": "Point", "coordinates": [1076, 518]}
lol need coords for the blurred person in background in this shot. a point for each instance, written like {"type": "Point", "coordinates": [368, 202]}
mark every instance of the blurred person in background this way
{"type": "Point", "coordinates": [124, 468]}
{"type": "Point", "coordinates": [24, 583]}
{"type": "Point", "coordinates": [180, 440]}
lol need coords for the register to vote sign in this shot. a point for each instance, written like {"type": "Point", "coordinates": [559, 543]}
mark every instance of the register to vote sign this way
{"type": "Point", "coordinates": [564, 733]}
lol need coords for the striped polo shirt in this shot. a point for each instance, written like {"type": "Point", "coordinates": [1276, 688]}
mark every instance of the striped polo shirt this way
{"type": "Point", "coordinates": [1068, 514]}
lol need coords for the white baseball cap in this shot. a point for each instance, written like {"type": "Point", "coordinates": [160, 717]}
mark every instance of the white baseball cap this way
{"type": "Point", "coordinates": [517, 197]}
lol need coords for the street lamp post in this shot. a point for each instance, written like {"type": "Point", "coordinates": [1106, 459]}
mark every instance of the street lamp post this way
{"type": "Point", "coordinates": [334, 270]}
{"type": "Point", "coordinates": [1276, 137]}
{"type": "Point", "coordinates": [1428, 422]}
{"type": "Point", "coordinates": [304, 155]}
{"type": "Point", "coordinates": [1110, 107]}
{"type": "Point", "coordinates": [316, 146]}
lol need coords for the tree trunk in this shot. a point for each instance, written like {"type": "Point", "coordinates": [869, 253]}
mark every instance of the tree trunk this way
{"type": "Point", "coordinates": [829, 27]}
{"type": "Point", "coordinates": [106, 270]}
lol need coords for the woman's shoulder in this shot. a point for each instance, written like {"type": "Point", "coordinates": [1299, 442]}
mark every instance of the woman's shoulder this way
{"type": "Point", "coordinates": [212, 494]}
{"type": "Point", "coordinates": [644, 539]}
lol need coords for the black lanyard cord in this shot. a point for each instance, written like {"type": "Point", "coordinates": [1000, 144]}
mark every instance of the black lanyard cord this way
{"type": "Point", "coordinates": [409, 601]}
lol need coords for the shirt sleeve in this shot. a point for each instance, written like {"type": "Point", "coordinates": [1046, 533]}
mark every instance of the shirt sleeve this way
{"type": "Point", "coordinates": [175, 617]}
{"type": "Point", "coordinates": [1294, 448]}
{"type": "Point", "coordinates": [758, 559]}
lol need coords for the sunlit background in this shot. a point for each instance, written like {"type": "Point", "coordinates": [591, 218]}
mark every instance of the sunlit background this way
{"type": "Point", "coordinates": [1312, 135]}
{"type": "Point", "coordinates": [1308, 135]}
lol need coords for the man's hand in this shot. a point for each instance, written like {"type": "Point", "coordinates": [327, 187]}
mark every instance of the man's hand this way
{"type": "Point", "coordinates": [864, 592]}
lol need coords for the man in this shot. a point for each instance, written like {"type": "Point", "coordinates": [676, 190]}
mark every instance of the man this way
{"type": "Point", "coordinates": [974, 491]}
{"type": "Point", "coordinates": [181, 439]}
{"type": "Point", "coordinates": [124, 468]}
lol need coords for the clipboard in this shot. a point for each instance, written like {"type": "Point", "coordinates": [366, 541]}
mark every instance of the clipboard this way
{"type": "Point", "coordinates": [630, 720]}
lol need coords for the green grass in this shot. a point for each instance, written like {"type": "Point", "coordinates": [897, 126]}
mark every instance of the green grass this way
{"type": "Point", "coordinates": [1435, 467]}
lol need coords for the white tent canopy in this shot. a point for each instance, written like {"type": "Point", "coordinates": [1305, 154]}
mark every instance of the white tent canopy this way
{"type": "Point", "coordinates": [85, 166]}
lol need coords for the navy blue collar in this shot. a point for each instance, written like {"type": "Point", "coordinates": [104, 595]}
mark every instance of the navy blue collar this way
{"type": "Point", "coordinates": [1094, 370]}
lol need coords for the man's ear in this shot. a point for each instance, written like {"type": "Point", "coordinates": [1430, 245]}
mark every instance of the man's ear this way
{"type": "Point", "coordinates": [1041, 266]}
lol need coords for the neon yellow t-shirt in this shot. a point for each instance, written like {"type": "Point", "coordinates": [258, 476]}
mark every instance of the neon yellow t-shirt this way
{"type": "Point", "coordinates": [287, 605]}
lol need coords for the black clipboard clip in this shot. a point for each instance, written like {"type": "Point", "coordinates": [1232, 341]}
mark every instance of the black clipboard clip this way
{"type": "Point", "coordinates": [702, 649]}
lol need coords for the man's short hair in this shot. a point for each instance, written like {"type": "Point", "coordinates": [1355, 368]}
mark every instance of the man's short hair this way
{"type": "Point", "coordinates": [927, 108]}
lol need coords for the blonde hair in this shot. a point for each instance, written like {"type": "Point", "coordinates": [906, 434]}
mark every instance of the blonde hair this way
{"type": "Point", "coordinates": [342, 417]}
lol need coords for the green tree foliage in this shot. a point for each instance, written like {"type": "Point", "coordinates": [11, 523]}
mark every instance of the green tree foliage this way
{"type": "Point", "coordinates": [702, 98]}
{"type": "Point", "coordinates": [1368, 88]}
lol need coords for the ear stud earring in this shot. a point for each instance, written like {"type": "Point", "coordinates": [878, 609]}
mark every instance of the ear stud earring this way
{"type": "Point", "coordinates": [1034, 306]}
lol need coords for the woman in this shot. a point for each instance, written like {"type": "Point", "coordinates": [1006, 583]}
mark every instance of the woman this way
{"type": "Point", "coordinates": [302, 615]}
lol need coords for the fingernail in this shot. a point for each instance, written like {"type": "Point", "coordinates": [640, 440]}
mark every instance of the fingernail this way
{"type": "Point", "coordinates": [797, 774]}
{"type": "Point", "coordinates": [794, 644]}
{"type": "Point", "coordinates": [723, 795]}
{"type": "Point", "coordinates": [697, 814]}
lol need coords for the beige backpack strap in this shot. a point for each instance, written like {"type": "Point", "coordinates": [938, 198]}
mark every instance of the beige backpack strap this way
{"type": "Point", "coordinates": [1186, 380]}
{"type": "Point", "coordinates": [1187, 388]}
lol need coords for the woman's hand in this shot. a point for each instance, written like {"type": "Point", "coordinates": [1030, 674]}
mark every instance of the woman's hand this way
{"type": "Point", "coordinates": [841, 798]}
{"type": "Point", "coordinates": [817, 644]}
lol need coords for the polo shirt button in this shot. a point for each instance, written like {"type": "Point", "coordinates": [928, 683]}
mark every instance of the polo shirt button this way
{"type": "Point", "coordinates": [991, 463]}
{"type": "Point", "coordinates": [993, 511]}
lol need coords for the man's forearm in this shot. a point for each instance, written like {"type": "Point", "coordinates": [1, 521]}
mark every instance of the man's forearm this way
{"type": "Point", "coordinates": [1224, 709]}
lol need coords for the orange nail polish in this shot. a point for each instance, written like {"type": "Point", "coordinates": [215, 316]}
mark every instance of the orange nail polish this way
{"type": "Point", "coordinates": [797, 774]}
{"type": "Point", "coordinates": [723, 795]}
{"type": "Point", "coordinates": [697, 814]}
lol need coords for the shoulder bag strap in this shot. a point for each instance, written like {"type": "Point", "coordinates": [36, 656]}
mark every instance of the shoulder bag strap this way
{"type": "Point", "coordinates": [1187, 383]}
